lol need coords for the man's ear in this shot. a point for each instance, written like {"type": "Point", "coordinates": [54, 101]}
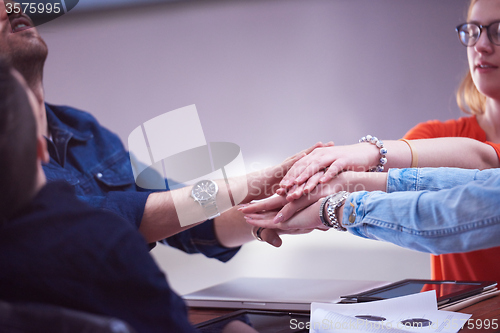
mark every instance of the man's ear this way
{"type": "Point", "coordinates": [41, 150]}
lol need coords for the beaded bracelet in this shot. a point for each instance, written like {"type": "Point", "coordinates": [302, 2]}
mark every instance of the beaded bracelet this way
{"type": "Point", "coordinates": [383, 151]}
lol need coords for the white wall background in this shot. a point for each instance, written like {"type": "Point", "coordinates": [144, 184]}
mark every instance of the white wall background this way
{"type": "Point", "coordinates": [274, 76]}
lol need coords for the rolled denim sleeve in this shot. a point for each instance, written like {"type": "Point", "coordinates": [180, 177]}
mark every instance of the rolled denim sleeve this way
{"type": "Point", "coordinates": [128, 205]}
{"type": "Point", "coordinates": [458, 219]}
{"type": "Point", "coordinates": [201, 239]}
{"type": "Point", "coordinates": [433, 179]}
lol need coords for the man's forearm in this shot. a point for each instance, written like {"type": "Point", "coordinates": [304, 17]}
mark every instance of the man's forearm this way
{"type": "Point", "coordinates": [170, 212]}
{"type": "Point", "coordinates": [160, 218]}
{"type": "Point", "coordinates": [167, 213]}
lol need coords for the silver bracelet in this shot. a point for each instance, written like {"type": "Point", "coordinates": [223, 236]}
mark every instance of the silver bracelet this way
{"type": "Point", "coordinates": [322, 211]}
{"type": "Point", "coordinates": [333, 202]}
{"type": "Point", "coordinates": [383, 151]}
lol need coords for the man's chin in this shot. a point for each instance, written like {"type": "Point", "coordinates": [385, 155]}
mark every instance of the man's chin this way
{"type": "Point", "coordinates": [28, 54]}
{"type": "Point", "coordinates": [25, 37]}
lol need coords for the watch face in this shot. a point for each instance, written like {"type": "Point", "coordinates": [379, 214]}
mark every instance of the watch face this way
{"type": "Point", "coordinates": [204, 190]}
{"type": "Point", "coordinates": [338, 198]}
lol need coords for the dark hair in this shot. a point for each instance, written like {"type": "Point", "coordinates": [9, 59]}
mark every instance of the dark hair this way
{"type": "Point", "coordinates": [18, 144]}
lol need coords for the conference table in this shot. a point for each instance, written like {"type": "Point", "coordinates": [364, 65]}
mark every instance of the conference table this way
{"type": "Point", "coordinates": [483, 313]}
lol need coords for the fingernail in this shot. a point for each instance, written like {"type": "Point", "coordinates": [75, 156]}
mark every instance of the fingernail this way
{"type": "Point", "coordinates": [278, 218]}
{"type": "Point", "coordinates": [246, 217]}
{"type": "Point", "coordinates": [276, 242]}
{"type": "Point", "coordinates": [242, 206]}
{"type": "Point", "coordinates": [322, 179]}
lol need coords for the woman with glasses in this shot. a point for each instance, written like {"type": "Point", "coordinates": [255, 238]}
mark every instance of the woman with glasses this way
{"type": "Point", "coordinates": [479, 95]}
{"type": "Point", "coordinates": [471, 142]}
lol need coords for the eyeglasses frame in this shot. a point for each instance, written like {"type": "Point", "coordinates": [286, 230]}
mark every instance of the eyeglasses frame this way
{"type": "Point", "coordinates": [481, 27]}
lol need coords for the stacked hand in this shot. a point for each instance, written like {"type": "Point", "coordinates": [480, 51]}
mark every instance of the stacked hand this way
{"type": "Point", "coordinates": [323, 164]}
{"type": "Point", "coordinates": [295, 207]}
{"type": "Point", "coordinates": [263, 184]}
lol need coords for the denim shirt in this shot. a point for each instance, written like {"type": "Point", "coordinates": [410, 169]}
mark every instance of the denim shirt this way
{"type": "Point", "coordinates": [443, 210]}
{"type": "Point", "coordinates": [94, 161]}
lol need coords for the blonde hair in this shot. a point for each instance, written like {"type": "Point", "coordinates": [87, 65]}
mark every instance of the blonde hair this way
{"type": "Point", "coordinates": [469, 99]}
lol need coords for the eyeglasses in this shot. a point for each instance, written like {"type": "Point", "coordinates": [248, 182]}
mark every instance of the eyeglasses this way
{"type": "Point", "coordinates": [469, 33]}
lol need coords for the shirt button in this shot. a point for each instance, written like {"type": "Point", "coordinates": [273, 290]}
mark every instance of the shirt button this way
{"type": "Point", "coordinates": [99, 175]}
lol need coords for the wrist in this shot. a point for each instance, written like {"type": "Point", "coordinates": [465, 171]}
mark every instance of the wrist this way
{"type": "Point", "coordinates": [318, 205]}
{"type": "Point", "coordinates": [340, 212]}
{"type": "Point", "coordinates": [329, 210]}
{"type": "Point", "coordinates": [382, 151]}
{"type": "Point", "coordinates": [372, 182]}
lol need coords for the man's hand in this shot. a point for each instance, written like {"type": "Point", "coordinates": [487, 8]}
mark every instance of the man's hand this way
{"type": "Point", "coordinates": [264, 183]}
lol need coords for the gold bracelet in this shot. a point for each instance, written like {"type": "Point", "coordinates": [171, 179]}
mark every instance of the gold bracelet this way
{"type": "Point", "coordinates": [414, 154]}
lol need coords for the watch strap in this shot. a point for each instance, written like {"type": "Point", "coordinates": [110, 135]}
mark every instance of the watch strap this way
{"type": "Point", "coordinates": [210, 209]}
{"type": "Point", "coordinates": [332, 203]}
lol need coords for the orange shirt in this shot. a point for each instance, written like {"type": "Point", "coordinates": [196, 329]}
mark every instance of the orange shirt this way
{"type": "Point", "coordinates": [476, 265]}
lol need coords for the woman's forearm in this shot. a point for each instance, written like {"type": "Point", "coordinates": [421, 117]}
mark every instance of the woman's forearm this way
{"type": "Point", "coordinates": [442, 152]}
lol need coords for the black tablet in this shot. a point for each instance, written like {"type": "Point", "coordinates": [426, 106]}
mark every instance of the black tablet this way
{"type": "Point", "coordinates": [261, 321]}
{"type": "Point", "coordinates": [446, 290]}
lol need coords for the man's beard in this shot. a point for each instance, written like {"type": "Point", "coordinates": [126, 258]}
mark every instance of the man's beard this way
{"type": "Point", "coordinates": [29, 60]}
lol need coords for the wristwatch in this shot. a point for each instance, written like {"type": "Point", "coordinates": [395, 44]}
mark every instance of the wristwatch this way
{"type": "Point", "coordinates": [205, 192]}
{"type": "Point", "coordinates": [333, 202]}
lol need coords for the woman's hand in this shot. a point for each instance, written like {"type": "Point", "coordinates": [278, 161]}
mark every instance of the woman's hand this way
{"type": "Point", "coordinates": [307, 172]}
{"type": "Point", "coordinates": [285, 208]}
{"type": "Point", "coordinates": [264, 183]}
{"type": "Point", "coordinates": [269, 208]}
{"type": "Point", "coordinates": [272, 236]}
{"type": "Point", "coordinates": [305, 220]}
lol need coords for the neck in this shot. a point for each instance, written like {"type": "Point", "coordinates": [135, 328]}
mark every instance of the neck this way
{"type": "Point", "coordinates": [41, 180]}
{"type": "Point", "coordinates": [31, 68]}
{"type": "Point", "coordinates": [37, 88]}
{"type": "Point", "coordinates": [490, 120]}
